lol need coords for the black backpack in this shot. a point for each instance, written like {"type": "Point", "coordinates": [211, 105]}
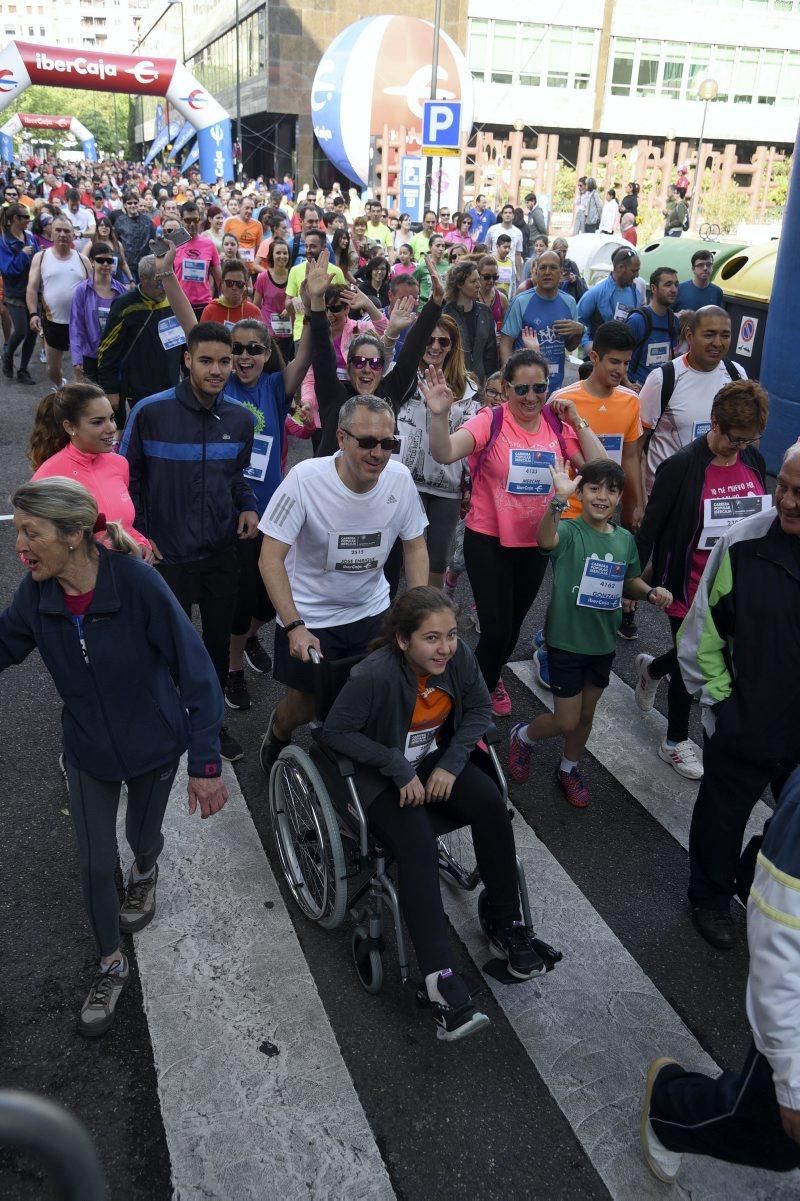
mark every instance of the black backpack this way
{"type": "Point", "coordinates": [668, 384]}
{"type": "Point", "coordinates": [646, 313]}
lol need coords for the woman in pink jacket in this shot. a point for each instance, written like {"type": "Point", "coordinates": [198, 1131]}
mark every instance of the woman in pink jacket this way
{"type": "Point", "coordinates": [74, 436]}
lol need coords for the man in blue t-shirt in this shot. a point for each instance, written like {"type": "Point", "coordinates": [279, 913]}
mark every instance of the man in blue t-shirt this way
{"type": "Point", "coordinates": [697, 292]}
{"type": "Point", "coordinates": [550, 313]}
{"type": "Point", "coordinates": [482, 219]}
{"type": "Point", "coordinates": [617, 295]}
{"type": "Point", "coordinates": [655, 327]}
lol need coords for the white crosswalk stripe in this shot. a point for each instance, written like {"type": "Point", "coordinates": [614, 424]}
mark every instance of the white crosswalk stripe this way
{"type": "Point", "coordinates": [247, 1061]}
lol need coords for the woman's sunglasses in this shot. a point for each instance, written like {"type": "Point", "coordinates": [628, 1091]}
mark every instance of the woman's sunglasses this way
{"type": "Point", "coordinates": [488, 276]}
{"type": "Point", "coordinates": [104, 260]}
{"type": "Point", "coordinates": [524, 389]}
{"type": "Point", "coordinates": [435, 340]}
{"type": "Point", "coordinates": [253, 349]}
{"type": "Point", "coordinates": [360, 362]}
{"type": "Point", "coordinates": [337, 307]}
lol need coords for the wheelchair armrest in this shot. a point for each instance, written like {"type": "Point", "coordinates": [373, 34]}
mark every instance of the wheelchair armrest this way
{"type": "Point", "coordinates": [344, 766]}
{"type": "Point", "coordinates": [492, 735]}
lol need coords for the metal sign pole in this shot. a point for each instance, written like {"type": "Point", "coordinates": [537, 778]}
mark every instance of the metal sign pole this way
{"type": "Point", "coordinates": [437, 22]}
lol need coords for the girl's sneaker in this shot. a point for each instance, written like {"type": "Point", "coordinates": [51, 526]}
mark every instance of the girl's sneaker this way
{"type": "Point", "coordinates": [541, 666]}
{"type": "Point", "coordinates": [457, 1017]}
{"type": "Point", "coordinates": [519, 756]}
{"type": "Point", "coordinates": [501, 701]}
{"type": "Point", "coordinates": [450, 583]}
{"type": "Point", "coordinates": [573, 787]}
{"type": "Point", "coordinates": [646, 686]}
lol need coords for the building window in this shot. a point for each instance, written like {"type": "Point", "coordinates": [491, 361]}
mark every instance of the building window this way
{"type": "Point", "coordinates": [582, 58]}
{"type": "Point", "coordinates": [789, 88]}
{"type": "Point", "coordinates": [478, 47]}
{"type": "Point", "coordinates": [622, 70]}
{"type": "Point", "coordinates": [647, 75]}
{"type": "Point", "coordinates": [745, 76]}
{"type": "Point", "coordinates": [504, 47]}
{"type": "Point", "coordinates": [769, 76]}
{"type": "Point", "coordinates": [724, 60]}
{"type": "Point", "coordinates": [532, 54]}
{"type": "Point", "coordinates": [559, 56]}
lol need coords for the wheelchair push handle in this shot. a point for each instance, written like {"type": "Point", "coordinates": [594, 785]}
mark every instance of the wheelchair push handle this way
{"type": "Point", "coordinates": [314, 656]}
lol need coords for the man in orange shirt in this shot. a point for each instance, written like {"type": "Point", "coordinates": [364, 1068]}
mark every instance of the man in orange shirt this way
{"type": "Point", "coordinates": [249, 232]}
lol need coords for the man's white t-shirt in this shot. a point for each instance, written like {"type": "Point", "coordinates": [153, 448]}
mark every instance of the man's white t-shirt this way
{"type": "Point", "coordinates": [340, 539]}
{"type": "Point", "coordinates": [494, 232]}
{"type": "Point", "coordinates": [688, 414]}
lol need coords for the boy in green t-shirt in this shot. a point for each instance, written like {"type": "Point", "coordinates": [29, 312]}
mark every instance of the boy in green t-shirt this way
{"type": "Point", "coordinates": [595, 564]}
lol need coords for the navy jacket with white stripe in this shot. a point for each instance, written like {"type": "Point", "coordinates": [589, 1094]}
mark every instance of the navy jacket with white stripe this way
{"type": "Point", "coordinates": [186, 471]}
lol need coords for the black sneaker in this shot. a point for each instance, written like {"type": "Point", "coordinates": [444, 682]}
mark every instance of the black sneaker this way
{"type": "Point", "coordinates": [515, 946]}
{"type": "Point", "coordinates": [138, 906]}
{"type": "Point", "coordinates": [236, 694]}
{"type": "Point", "coordinates": [25, 377]}
{"type": "Point", "coordinates": [8, 367]}
{"type": "Point", "coordinates": [256, 657]}
{"type": "Point", "coordinates": [458, 1017]}
{"type": "Point", "coordinates": [628, 630]}
{"type": "Point", "coordinates": [229, 748]}
{"type": "Point", "coordinates": [271, 746]}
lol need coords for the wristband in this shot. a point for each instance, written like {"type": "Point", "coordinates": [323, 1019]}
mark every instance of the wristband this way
{"type": "Point", "coordinates": [649, 595]}
{"type": "Point", "coordinates": [293, 625]}
{"type": "Point", "coordinates": [165, 275]}
{"type": "Point", "coordinates": [558, 506]}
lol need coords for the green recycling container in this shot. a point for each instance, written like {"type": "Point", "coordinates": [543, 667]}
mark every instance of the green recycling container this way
{"type": "Point", "coordinates": [677, 253]}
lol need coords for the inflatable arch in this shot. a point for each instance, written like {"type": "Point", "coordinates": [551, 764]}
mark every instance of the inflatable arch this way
{"type": "Point", "coordinates": [26, 63]}
{"type": "Point", "coordinates": [42, 121]}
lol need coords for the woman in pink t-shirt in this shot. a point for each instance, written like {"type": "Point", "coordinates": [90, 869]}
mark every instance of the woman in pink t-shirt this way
{"type": "Point", "coordinates": [722, 465]}
{"type": "Point", "coordinates": [509, 450]}
{"type": "Point", "coordinates": [74, 436]}
{"type": "Point", "coordinates": [270, 295]}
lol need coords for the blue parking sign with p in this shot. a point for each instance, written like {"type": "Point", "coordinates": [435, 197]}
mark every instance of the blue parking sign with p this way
{"type": "Point", "coordinates": [441, 124]}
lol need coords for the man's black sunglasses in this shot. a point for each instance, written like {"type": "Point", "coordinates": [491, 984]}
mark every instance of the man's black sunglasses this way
{"type": "Point", "coordinates": [390, 444]}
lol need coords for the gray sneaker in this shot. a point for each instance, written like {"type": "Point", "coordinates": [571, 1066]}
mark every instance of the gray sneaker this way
{"type": "Point", "coordinates": [97, 1011]}
{"type": "Point", "coordinates": [139, 903]}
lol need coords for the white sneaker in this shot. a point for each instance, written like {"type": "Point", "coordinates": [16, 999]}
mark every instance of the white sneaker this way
{"type": "Point", "coordinates": [646, 686]}
{"type": "Point", "coordinates": [683, 757]}
{"type": "Point", "coordinates": [664, 1164]}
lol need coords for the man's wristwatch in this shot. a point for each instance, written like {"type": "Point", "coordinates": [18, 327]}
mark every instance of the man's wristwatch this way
{"type": "Point", "coordinates": [649, 596]}
{"type": "Point", "coordinates": [293, 625]}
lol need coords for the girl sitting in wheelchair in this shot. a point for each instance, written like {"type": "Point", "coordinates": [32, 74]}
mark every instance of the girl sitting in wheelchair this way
{"type": "Point", "coordinates": [409, 717]}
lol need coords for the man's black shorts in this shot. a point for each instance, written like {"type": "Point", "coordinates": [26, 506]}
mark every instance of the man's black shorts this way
{"type": "Point", "coordinates": [569, 672]}
{"type": "Point", "coordinates": [55, 334]}
{"type": "Point", "coordinates": [338, 642]}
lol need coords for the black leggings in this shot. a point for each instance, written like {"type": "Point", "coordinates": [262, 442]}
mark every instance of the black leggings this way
{"type": "Point", "coordinates": [22, 335]}
{"type": "Point", "coordinates": [410, 834]}
{"type": "Point", "coordinates": [212, 585]}
{"type": "Point", "coordinates": [505, 581]}
{"type": "Point", "coordinates": [93, 805]}
{"type": "Point", "coordinates": [679, 702]}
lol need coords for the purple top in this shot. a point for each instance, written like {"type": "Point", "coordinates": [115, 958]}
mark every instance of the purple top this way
{"type": "Point", "coordinates": [85, 324]}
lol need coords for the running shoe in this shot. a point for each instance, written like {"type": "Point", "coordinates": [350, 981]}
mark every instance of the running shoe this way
{"type": "Point", "coordinates": [8, 367]}
{"type": "Point", "coordinates": [683, 757]}
{"type": "Point", "coordinates": [514, 944]}
{"type": "Point", "coordinates": [236, 694]}
{"type": "Point", "coordinates": [538, 639]}
{"type": "Point", "coordinates": [229, 748]}
{"type": "Point", "coordinates": [25, 377]}
{"type": "Point", "coordinates": [572, 785]}
{"type": "Point", "coordinates": [501, 701]}
{"type": "Point", "coordinates": [457, 1017]}
{"type": "Point", "coordinates": [473, 620]}
{"type": "Point", "coordinates": [256, 657]}
{"type": "Point", "coordinates": [519, 756]}
{"type": "Point", "coordinates": [541, 667]}
{"type": "Point", "coordinates": [138, 906]}
{"type": "Point", "coordinates": [663, 1163]}
{"type": "Point", "coordinates": [629, 629]}
{"type": "Point", "coordinates": [271, 746]}
{"type": "Point", "coordinates": [646, 686]}
{"type": "Point", "coordinates": [43, 355]}
{"type": "Point", "coordinates": [450, 584]}
{"type": "Point", "coordinates": [98, 1010]}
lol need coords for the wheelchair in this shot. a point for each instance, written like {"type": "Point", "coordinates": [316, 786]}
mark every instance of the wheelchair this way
{"type": "Point", "coordinates": [331, 863]}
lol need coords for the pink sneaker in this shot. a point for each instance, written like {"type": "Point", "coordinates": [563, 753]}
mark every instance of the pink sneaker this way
{"type": "Point", "coordinates": [501, 701]}
{"type": "Point", "coordinates": [519, 756]}
{"type": "Point", "coordinates": [573, 787]}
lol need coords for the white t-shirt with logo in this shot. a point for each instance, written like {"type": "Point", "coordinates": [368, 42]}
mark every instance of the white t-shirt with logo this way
{"type": "Point", "coordinates": [688, 414]}
{"type": "Point", "coordinates": [494, 232]}
{"type": "Point", "coordinates": [340, 539]}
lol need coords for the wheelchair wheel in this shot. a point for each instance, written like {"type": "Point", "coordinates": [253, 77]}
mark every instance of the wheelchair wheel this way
{"type": "Point", "coordinates": [307, 834]}
{"type": "Point", "coordinates": [367, 959]}
{"type": "Point", "coordinates": [457, 859]}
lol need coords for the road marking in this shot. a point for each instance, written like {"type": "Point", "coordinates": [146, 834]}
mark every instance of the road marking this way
{"type": "Point", "coordinates": [591, 1028]}
{"type": "Point", "coordinates": [256, 1099]}
{"type": "Point", "coordinates": [626, 741]}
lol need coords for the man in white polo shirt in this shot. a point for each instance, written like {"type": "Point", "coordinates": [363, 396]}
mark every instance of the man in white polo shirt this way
{"type": "Point", "coordinates": [676, 399]}
{"type": "Point", "coordinates": [328, 530]}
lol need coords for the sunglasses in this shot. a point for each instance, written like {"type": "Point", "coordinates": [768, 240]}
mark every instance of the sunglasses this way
{"type": "Point", "coordinates": [101, 258]}
{"type": "Point", "coordinates": [524, 389]}
{"type": "Point", "coordinates": [489, 276]}
{"type": "Point", "coordinates": [23, 217]}
{"type": "Point", "coordinates": [252, 348]}
{"type": "Point", "coordinates": [338, 307]}
{"type": "Point", "coordinates": [434, 340]}
{"type": "Point", "coordinates": [191, 220]}
{"type": "Point", "coordinates": [360, 362]}
{"type": "Point", "coordinates": [390, 444]}
{"type": "Point", "coordinates": [233, 283]}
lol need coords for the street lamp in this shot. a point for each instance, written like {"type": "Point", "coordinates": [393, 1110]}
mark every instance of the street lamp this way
{"type": "Point", "coordinates": [183, 33]}
{"type": "Point", "coordinates": [708, 91]}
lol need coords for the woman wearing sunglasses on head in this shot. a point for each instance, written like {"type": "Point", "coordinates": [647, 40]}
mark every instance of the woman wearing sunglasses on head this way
{"type": "Point", "coordinates": [367, 355]}
{"type": "Point", "coordinates": [439, 485]}
{"type": "Point", "coordinates": [264, 384]}
{"type": "Point", "coordinates": [509, 450]}
{"type": "Point", "coordinates": [91, 304]}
